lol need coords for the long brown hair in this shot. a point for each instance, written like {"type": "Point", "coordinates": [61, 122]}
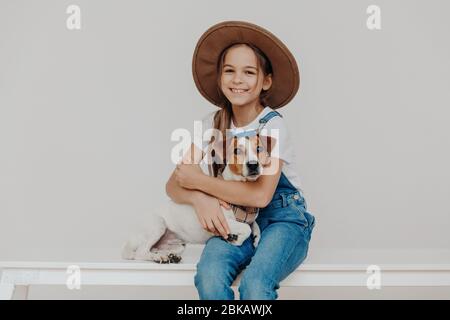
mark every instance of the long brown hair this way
{"type": "Point", "coordinates": [222, 118]}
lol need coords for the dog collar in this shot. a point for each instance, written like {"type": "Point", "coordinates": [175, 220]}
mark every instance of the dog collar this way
{"type": "Point", "coordinates": [262, 122]}
{"type": "Point", "coordinates": [248, 133]}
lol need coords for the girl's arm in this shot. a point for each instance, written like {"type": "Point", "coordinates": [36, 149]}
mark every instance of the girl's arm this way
{"type": "Point", "coordinates": [252, 194]}
{"type": "Point", "coordinates": [182, 195]}
{"type": "Point", "coordinates": [179, 194]}
{"type": "Point", "coordinates": [207, 208]}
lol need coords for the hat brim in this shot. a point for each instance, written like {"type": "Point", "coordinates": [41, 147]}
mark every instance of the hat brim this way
{"type": "Point", "coordinates": [285, 77]}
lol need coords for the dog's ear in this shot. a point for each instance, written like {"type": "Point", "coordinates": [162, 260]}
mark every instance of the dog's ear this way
{"type": "Point", "coordinates": [218, 150]}
{"type": "Point", "coordinates": [218, 155]}
{"type": "Point", "coordinates": [267, 143]}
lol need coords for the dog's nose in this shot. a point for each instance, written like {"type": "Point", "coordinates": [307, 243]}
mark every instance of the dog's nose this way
{"type": "Point", "coordinates": [252, 166]}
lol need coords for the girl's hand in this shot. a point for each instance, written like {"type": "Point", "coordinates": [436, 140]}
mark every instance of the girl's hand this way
{"type": "Point", "coordinates": [224, 204]}
{"type": "Point", "coordinates": [210, 215]}
{"type": "Point", "coordinates": [188, 175]}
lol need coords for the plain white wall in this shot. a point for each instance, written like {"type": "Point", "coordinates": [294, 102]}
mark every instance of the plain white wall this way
{"type": "Point", "coordinates": [86, 117]}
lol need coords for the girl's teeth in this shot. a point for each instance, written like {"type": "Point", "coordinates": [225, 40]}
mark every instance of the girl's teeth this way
{"type": "Point", "coordinates": [237, 91]}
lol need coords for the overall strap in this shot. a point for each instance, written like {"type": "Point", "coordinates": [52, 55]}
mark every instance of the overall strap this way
{"type": "Point", "coordinates": [263, 121]}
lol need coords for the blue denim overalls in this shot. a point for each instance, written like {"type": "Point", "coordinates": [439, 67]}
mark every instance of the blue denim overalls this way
{"type": "Point", "coordinates": [286, 229]}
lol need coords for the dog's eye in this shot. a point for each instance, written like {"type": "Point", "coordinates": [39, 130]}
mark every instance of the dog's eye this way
{"type": "Point", "coordinates": [237, 151]}
{"type": "Point", "coordinates": [259, 149]}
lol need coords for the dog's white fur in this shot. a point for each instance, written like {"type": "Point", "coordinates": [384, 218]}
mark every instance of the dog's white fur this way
{"type": "Point", "coordinates": [173, 225]}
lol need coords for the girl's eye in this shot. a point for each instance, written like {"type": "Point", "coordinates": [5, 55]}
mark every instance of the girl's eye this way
{"type": "Point", "coordinates": [237, 151]}
{"type": "Point", "coordinates": [259, 149]}
{"type": "Point", "coordinates": [250, 72]}
{"type": "Point", "coordinates": [228, 71]}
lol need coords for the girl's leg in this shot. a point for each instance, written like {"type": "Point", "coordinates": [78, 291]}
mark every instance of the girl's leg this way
{"type": "Point", "coordinates": [282, 248]}
{"type": "Point", "coordinates": [219, 265]}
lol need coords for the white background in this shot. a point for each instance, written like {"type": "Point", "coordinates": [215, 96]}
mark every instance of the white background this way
{"type": "Point", "coordinates": [86, 118]}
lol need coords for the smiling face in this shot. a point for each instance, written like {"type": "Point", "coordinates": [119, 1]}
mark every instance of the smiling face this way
{"type": "Point", "coordinates": [241, 78]}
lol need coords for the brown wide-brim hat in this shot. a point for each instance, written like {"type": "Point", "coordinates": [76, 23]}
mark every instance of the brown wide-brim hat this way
{"type": "Point", "coordinates": [285, 77]}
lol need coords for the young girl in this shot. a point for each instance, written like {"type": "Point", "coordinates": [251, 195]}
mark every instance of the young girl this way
{"type": "Point", "coordinates": [247, 72]}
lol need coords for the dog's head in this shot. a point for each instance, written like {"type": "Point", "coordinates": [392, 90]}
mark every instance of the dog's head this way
{"type": "Point", "coordinates": [243, 157]}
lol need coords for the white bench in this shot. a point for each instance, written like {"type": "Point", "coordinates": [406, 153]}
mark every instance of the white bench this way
{"type": "Point", "coordinates": [332, 268]}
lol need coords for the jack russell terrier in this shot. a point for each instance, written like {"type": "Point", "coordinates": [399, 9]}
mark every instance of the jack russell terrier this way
{"type": "Point", "coordinates": [173, 225]}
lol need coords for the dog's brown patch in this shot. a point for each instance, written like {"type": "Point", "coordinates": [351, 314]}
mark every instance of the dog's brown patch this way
{"type": "Point", "coordinates": [235, 161]}
{"type": "Point", "coordinates": [236, 169]}
{"type": "Point", "coordinates": [265, 145]}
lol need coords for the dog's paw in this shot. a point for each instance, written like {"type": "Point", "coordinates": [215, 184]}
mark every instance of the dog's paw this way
{"type": "Point", "coordinates": [232, 237]}
{"type": "Point", "coordinates": [162, 259]}
{"type": "Point", "coordinates": [170, 258]}
{"type": "Point", "coordinates": [256, 240]}
{"type": "Point", "coordinates": [174, 258]}
{"type": "Point", "coordinates": [236, 239]}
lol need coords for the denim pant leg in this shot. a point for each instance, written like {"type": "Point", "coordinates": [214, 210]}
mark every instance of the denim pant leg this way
{"type": "Point", "coordinates": [282, 248]}
{"type": "Point", "coordinates": [218, 267]}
